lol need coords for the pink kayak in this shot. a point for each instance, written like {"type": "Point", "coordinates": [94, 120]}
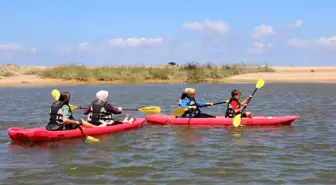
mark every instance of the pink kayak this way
{"type": "Point", "coordinates": [162, 119]}
{"type": "Point", "coordinates": [41, 134]}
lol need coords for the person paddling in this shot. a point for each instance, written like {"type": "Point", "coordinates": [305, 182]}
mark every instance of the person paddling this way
{"type": "Point", "coordinates": [235, 107]}
{"type": "Point", "coordinates": [183, 95]}
{"type": "Point", "coordinates": [189, 101]}
{"type": "Point", "coordinates": [61, 115]}
{"type": "Point", "coordinates": [100, 111]}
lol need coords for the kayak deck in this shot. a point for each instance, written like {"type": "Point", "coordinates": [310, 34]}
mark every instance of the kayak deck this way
{"type": "Point", "coordinates": [41, 134]}
{"type": "Point", "coordinates": [162, 119]}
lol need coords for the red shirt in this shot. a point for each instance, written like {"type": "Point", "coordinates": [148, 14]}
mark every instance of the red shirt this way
{"type": "Point", "coordinates": [234, 105]}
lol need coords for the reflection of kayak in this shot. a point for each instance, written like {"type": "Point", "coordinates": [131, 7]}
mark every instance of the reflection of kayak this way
{"type": "Point", "coordinates": [219, 121]}
{"type": "Point", "coordinates": [41, 134]}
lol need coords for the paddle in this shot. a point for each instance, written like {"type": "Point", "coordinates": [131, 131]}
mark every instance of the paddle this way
{"type": "Point", "coordinates": [180, 111]}
{"type": "Point", "coordinates": [146, 110]}
{"type": "Point", "coordinates": [88, 138]}
{"type": "Point", "coordinates": [237, 118]}
{"type": "Point", "coordinates": [56, 94]}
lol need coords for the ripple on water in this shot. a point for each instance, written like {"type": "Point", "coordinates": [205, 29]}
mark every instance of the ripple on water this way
{"type": "Point", "coordinates": [304, 153]}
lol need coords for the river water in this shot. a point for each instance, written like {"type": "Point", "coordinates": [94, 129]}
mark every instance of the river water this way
{"type": "Point", "coordinates": [304, 153]}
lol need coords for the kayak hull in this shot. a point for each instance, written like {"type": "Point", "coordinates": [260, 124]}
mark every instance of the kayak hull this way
{"type": "Point", "coordinates": [162, 119]}
{"type": "Point", "coordinates": [41, 134]}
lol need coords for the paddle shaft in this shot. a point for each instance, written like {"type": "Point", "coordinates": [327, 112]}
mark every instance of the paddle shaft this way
{"type": "Point", "coordinates": [81, 129]}
{"type": "Point", "coordinates": [248, 101]}
{"type": "Point", "coordinates": [122, 109]}
{"type": "Point", "coordinates": [131, 109]}
{"type": "Point", "coordinates": [218, 103]}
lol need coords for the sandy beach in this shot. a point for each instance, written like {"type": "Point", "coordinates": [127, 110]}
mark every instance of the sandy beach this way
{"type": "Point", "coordinates": [307, 74]}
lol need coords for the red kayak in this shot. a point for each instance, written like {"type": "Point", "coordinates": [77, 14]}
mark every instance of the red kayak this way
{"type": "Point", "coordinates": [162, 119]}
{"type": "Point", "coordinates": [41, 134]}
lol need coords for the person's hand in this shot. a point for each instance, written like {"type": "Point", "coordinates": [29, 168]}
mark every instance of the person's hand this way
{"type": "Point", "coordinates": [250, 97]}
{"type": "Point", "coordinates": [120, 108]}
{"type": "Point", "coordinates": [244, 106]}
{"type": "Point", "coordinates": [192, 107]}
{"type": "Point", "coordinates": [210, 104]}
{"type": "Point", "coordinates": [80, 122]}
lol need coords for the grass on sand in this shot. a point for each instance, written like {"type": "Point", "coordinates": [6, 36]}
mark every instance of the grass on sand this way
{"type": "Point", "coordinates": [191, 72]}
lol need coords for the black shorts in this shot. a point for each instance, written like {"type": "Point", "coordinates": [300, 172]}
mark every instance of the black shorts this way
{"type": "Point", "coordinates": [116, 122]}
{"type": "Point", "coordinates": [244, 115]}
{"type": "Point", "coordinates": [203, 115]}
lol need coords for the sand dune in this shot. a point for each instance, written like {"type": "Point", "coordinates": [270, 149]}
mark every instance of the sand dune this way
{"type": "Point", "coordinates": [306, 74]}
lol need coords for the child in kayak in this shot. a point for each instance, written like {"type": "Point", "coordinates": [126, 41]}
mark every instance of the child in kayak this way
{"type": "Point", "coordinates": [100, 111]}
{"type": "Point", "coordinates": [235, 107]}
{"type": "Point", "coordinates": [183, 95]}
{"type": "Point", "coordinates": [61, 115]}
{"type": "Point", "coordinates": [189, 101]}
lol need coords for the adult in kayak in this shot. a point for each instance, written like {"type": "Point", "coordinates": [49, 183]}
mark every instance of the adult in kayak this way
{"type": "Point", "coordinates": [100, 111]}
{"type": "Point", "coordinates": [187, 100]}
{"type": "Point", "coordinates": [235, 107]}
{"type": "Point", "coordinates": [61, 115]}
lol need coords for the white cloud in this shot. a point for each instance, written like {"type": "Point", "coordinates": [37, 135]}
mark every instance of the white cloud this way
{"type": "Point", "coordinates": [259, 48]}
{"type": "Point", "coordinates": [215, 25]}
{"type": "Point", "coordinates": [322, 41]}
{"type": "Point", "coordinates": [297, 42]}
{"type": "Point", "coordinates": [297, 24]}
{"type": "Point", "coordinates": [110, 44]}
{"type": "Point", "coordinates": [262, 31]}
{"type": "Point", "coordinates": [79, 47]}
{"type": "Point", "coordinates": [34, 50]}
{"type": "Point", "coordinates": [327, 41]}
{"type": "Point", "coordinates": [135, 41]}
{"type": "Point", "coordinates": [83, 46]}
{"type": "Point", "coordinates": [11, 46]}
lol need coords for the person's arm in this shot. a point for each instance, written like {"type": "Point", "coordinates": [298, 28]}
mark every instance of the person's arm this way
{"type": "Point", "coordinates": [185, 103]}
{"type": "Point", "coordinates": [245, 101]}
{"type": "Point", "coordinates": [235, 107]}
{"type": "Point", "coordinates": [66, 116]}
{"type": "Point", "coordinates": [110, 108]}
{"type": "Point", "coordinates": [201, 104]}
{"type": "Point", "coordinates": [87, 110]}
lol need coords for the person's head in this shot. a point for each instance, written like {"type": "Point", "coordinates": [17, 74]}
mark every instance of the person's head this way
{"type": "Point", "coordinates": [191, 92]}
{"type": "Point", "coordinates": [64, 97]}
{"type": "Point", "coordinates": [183, 95]}
{"type": "Point", "coordinates": [102, 95]}
{"type": "Point", "coordinates": [236, 94]}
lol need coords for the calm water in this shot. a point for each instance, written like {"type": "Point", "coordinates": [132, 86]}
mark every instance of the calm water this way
{"type": "Point", "coordinates": [302, 154]}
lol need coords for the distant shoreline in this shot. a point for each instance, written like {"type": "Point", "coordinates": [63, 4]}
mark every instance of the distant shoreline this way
{"type": "Point", "coordinates": [25, 76]}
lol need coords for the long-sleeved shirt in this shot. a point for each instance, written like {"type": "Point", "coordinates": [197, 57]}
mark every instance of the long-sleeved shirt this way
{"type": "Point", "coordinates": [185, 103]}
{"type": "Point", "coordinates": [109, 108]}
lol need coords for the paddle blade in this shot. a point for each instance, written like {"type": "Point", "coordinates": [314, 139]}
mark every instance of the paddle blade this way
{"type": "Point", "coordinates": [237, 120]}
{"type": "Point", "coordinates": [56, 94]}
{"type": "Point", "coordinates": [150, 110]}
{"type": "Point", "coordinates": [179, 111]}
{"type": "Point", "coordinates": [73, 107]}
{"type": "Point", "coordinates": [260, 83]}
{"type": "Point", "coordinates": [91, 139]}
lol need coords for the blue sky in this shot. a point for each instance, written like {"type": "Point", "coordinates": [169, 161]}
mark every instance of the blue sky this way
{"type": "Point", "coordinates": [41, 32]}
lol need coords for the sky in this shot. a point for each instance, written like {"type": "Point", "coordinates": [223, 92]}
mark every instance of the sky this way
{"type": "Point", "coordinates": [152, 32]}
